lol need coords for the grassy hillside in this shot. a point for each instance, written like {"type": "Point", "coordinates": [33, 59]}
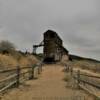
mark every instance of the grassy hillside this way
{"type": "Point", "coordinates": [74, 57]}
{"type": "Point", "coordinates": [8, 61]}
{"type": "Point", "coordinates": [85, 63]}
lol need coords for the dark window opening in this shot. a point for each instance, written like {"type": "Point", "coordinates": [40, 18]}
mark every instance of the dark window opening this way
{"type": "Point", "coordinates": [52, 35]}
{"type": "Point", "coordinates": [49, 60]}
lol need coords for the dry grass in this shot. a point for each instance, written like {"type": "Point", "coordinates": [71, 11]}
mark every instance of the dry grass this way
{"type": "Point", "coordinates": [88, 65]}
{"type": "Point", "coordinates": [11, 61]}
{"type": "Point", "coordinates": [7, 61]}
{"type": "Point", "coordinates": [28, 60]}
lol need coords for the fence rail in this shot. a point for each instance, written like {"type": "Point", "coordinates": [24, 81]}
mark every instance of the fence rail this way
{"type": "Point", "coordinates": [87, 82]}
{"type": "Point", "coordinates": [20, 74]}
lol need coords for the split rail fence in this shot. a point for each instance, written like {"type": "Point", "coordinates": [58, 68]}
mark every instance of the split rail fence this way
{"type": "Point", "coordinates": [88, 82]}
{"type": "Point", "coordinates": [15, 77]}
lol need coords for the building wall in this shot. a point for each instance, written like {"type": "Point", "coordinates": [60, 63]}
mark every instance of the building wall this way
{"type": "Point", "coordinates": [52, 46]}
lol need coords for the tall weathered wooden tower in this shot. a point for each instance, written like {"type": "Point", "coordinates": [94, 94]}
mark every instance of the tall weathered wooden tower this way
{"type": "Point", "coordinates": [53, 47]}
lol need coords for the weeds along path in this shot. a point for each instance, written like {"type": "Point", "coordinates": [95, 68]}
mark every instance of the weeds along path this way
{"type": "Point", "coordinates": [49, 86]}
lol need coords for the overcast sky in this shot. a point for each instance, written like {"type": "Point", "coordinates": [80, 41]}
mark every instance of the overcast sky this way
{"type": "Point", "coordinates": [23, 22]}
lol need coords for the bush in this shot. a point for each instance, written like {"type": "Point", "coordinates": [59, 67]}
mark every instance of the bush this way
{"type": "Point", "coordinates": [6, 47]}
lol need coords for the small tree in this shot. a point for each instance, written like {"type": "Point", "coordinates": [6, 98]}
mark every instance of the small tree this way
{"type": "Point", "coordinates": [6, 46]}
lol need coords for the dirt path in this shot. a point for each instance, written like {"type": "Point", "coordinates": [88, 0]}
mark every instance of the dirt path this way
{"type": "Point", "coordinates": [49, 86]}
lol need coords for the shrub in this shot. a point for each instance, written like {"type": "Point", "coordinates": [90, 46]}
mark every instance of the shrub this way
{"type": "Point", "coordinates": [6, 47]}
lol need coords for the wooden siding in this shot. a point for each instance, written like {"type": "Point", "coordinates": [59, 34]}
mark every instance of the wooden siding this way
{"type": "Point", "coordinates": [53, 46]}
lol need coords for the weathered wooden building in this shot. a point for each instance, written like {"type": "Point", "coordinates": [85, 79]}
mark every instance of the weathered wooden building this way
{"type": "Point", "coordinates": [53, 47]}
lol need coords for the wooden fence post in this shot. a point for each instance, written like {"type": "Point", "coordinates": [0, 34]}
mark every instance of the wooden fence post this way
{"type": "Point", "coordinates": [18, 76]}
{"type": "Point", "coordinates": [33, 71]}
{"type": "Point", "coordinates": [31, 76]}
{"type": "Point", "coordinates": [71, 71]}
{"type": "Point", "coordinates": [78, 78]}
{"type": "Point", "coordinates": [39, 69]}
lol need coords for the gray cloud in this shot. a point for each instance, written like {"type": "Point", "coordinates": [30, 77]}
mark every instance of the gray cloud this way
{"type": "Point", "coordinates": [77, 22]}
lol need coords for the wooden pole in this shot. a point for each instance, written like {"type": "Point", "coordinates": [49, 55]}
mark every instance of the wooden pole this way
{"type": "Point", "coordinates": [71, 71]}
{"type": "Point", "coordinates": [78, 78]}
{"type": "Point", "coordinates": [31, 73]}
{"type": "Point", "coordinates": [39, 69]}
{"type": "Point", "coordinates": [18, 76]}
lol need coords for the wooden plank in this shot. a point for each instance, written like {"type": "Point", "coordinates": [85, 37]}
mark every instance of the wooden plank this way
{"type": "Point", "coordinates": [8, 70]}
{"type": "Point", "coordinates": [8, 86]}
{"type": "Point", "coordinates": [90, 83]}
{"type": "Point", "coordinates": [8, 78]}
{"type": "Point", "coordinates": [95, 94]}
{"type": "Point", "coordinates": [86, 82]}
{"type": "Point", "coordinates": [14, 76]}
{"type": "Point", "coordinates": [91, 76]}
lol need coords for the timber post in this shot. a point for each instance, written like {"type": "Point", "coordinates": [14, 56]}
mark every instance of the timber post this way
{"type": "Point", "coordinates": [78, 78]}
{"type": "Point", "coordinates": [41, 67]}
{"type": "Point", "coordinates": [18, 76]}
{"type": "Point", "coordinates": [39, 71]}
{"type": "Point", "coordinates": [71, 71]}
{"type": "Point", "coordinates": [31, 73]}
